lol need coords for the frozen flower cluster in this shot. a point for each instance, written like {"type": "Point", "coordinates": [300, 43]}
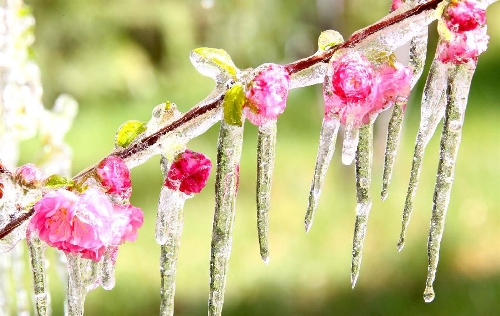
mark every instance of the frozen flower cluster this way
{"type": "Point", "coordinates": [189, 172]}
{"type": "Point", "coordinates": [355, 89]}
{"type": "Point", "coordinates": [266, 94]}
{"type": "Point", "coordinates": [466, 23]}
{"type": "Point", "coordinates": [90, 222]}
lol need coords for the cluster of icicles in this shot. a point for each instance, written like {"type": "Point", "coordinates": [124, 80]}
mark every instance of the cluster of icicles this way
{"type": "Point", "coordinates": [445, 95]}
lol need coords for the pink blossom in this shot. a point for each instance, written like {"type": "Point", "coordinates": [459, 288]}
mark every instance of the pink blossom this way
{"type": "Point", "coordinates": [464, 48]}
{"type": "Point", "coordinates": [28, 175]}
{"type": "Point", "coordinates": [189, 172]}
{"type": "Point", "coordinates": [466, 21]}
{"type": "Point", "coordinates": [394, 85]}
{"type": "Point", "coordinates": [396, 4]}
{"type": "Point", "coordinates": [126, 220]}
{"type": "Point", "coordinates": [464, 16]}
{"type": "Point", "coordinates": [85, 224]}
{"type": "Point", "coordinates": [351, 91]}
{"type": "Point", "coordinates": [72, 223]}
{"type": "Point", "coordinates": [266, 95]}
{"type": "Point", "coordinates": [115, 176]}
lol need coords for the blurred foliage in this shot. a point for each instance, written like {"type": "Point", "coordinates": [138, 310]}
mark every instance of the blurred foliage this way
{"type": "Point", "coordinates": [121, 58]}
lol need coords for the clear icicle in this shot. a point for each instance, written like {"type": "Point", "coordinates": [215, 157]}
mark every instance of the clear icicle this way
{"type": "Point", "coordinates": [458, 90]}
{"type": "Point", "coordinates": [228, 158]}
{"type": "Point", "coordinates": [5, 285]}
{"type": "Point", "coordinates": [394, 132]}
{"type": "Point", "coordinates": [76, 287]}
{"type": "Point", "coordinates": [18, 269]}
{"type": "Point", "coordinates": [326, 148]}
{"type": "Point", "coordinates": [351, 138]}
{"type": "Point", "coordinates": [364, 156]}
{"type": "Point", "coordinates": [432, 110]}
{"type": "Point", "coordinates": [418, 52]}
{"type": "Point", "coordinates": [169, 255]}
{"type": "Point", "coordinates": [168, 234]}
{"type": "Point", "coordinates": [37, 259]}
{"type": "Point", "coordinates": [108, 267]}
{"type": "Point", "coordinates": [266, 151]}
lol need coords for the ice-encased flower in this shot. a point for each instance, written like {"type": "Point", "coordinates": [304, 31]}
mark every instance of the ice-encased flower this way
{"type": "Point", "coordinates": [350, 92]}
{"type": "Point", "coordinates": [127, 219]}
{"type": "Point", "coordinates": [467, 39]}
{"type": "Point", "coordinates": [464, 16]}
{"type": "Point", "coordinates": [72, 223]}
{"type": "Point", "coordinates": [28, 175]}
{"type": "Point", "coordinates": [84, 224]}
{"type": "Point", "coordinates": [396, 4]}
{"type": "Point", "coordinates": [115, 176]}
{"type": "Point", "coordinates": [394, 84]}
{"type": "Point", "coordinates": [266, 94]}
{"type": "Point", "coordinates": [189, 172]}
{"type": "Point", "coordinates": [463, 48]}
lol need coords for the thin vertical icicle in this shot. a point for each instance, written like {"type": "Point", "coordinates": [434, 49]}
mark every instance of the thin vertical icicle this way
{"type": "Point", "coordinates": [228, 159]}
{"type": "Point", "coordinates": [76, 288]}
{"type": "Point", "coordinates": [18, 278]}
{"type": "Point", "coordinates": [364, 156]}
{"type": "Point", "coordinates": [5, 284]}
{"type": "Point", "coordinates": [432, 110]}
{"type": "Point", "coordinates": [266, 151]}
{"type": "Point", "coordinates": [326, 148]}
{"type": "Point", "coordinates": [168, 234]}
{"type": "Point", "coordinates": [108, 268]}
{"type": "Point", "coordinates": [351, 137]}
{"type": "Point", "coordinates": [394, 132]}
{"type": "Point", "coordinates": [37, 259]}
{"type": "Point", "coordinates": [418, 52]}
{"type": "Point", "coordinates": [458, 91]}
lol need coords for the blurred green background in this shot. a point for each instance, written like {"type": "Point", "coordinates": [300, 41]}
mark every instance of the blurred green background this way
{"type": "Point", "coordinates": [121, 58]}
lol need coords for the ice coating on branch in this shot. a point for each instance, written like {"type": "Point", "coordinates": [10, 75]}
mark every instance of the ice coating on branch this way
{"type": "Point", "coordinates": [364, 157]}
{"type": "Point", "coordinates": [457, 90]}
{"type": "Point", "coordinates": [266, 152]}
{"type": "Point", "coordinates": [397, 34]}
{"type": "Point", "coordinates": [189, 172]}
{"type": "Point", "coordinates": [266, 94]}
{"type": "Point", "coordinates": [326, 148]}
{"type": "Point", "coordinates": [115, 176]}
{"type": "Point", "coordinates": [309, 76]}
{"type": "Point", "coordinates": [228, 160]}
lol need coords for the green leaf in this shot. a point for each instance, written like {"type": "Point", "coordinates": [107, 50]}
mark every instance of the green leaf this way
{"type": "Point", "coordinates": [128, 131]}
{"type": "Point", "coordinates": [233, 104]}
{"type": "Point", "coordinates": [56, 181]}
{"type": "Point", "coordinates": [212, 62]}
{"type": "Point", "coordinates": [329, 38]}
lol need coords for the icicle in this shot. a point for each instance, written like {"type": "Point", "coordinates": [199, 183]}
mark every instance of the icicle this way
{"type": "Point", "coordinates": [76, 287]}
{"type": "Point", "coordinates": [364, 156]}
{"type": "Point", "coordinates": [351, 138]}
{"type": "Point", "coordinates": [37, 254]}
{"type": "Point", "coordinates": [5, 285]}
{"type": "Point", "coordinates": [418, 52]}
{"type": "Point", "coordinates": [326, 148]}
{"type": "Point", "coordinates": [266, 149]}
{"type": "Point", "coordinates": [18, 277]}
{"type": "Point", "coordinates": [108, 268]}
{"type": "Point", "coordinates": [393, 139]}
{"type": "Point", "coordinates": [228, 158]}
{"type": "Point", "coordinates": [458, 91]}
{"type": "Point", "coordinates": [432, 110]}
{"type": "Point", "coordinates": [168, 234]}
